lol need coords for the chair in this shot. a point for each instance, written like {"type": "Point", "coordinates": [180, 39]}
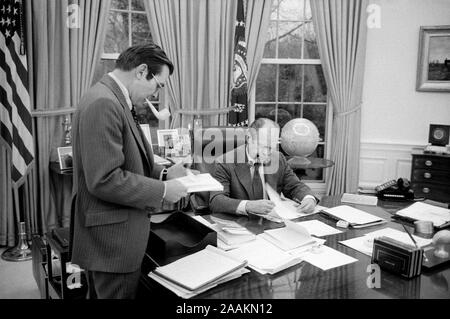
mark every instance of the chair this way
{"type": "Point", "coordinates": [210, 118]}
{"type": "Point", "coordinates": [219, 140]}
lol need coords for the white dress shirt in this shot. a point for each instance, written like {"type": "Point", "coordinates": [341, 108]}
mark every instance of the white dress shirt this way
{"type": "Point", "coordinates": [241, 209]}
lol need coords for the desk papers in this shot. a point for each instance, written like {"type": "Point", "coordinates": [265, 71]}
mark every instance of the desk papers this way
{"type": "Point", "coordinates": [286, 208]}
{"type": "Point", "coordinates": [290, 237]}
{"type": "Point", "coordinates": [197, 271]}
{"type": "Point", "coordinates": [264, 257]}
{"type": "Point", "coordinates": [327, 258]}
{"type": "Point", "coordinates": [364, 244]}
{"type": "Point", "coordinates": [200, 183]}
{"type": "Point", "coordinates": [230, 234]}
{"type": "Point", "coordinates": [421, 211]}
{"type": "Point", "coordinates": [160, 160]}
{"type": "Point", "coordinates": [355, 217]}
{"type": "Point", "coordinates": [318, 228]}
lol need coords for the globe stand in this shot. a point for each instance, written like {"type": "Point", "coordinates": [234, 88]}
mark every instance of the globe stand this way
{"type": "Point", "coordinates": [22, 251]}
{"type": "Point", "coordinates": [298, 161]}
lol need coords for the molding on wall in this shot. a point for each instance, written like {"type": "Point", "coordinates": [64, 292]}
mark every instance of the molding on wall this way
{"type": "Point", "coordinates": [383, 161]}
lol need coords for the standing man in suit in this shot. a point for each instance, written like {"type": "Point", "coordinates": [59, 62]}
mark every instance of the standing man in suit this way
{"type": "Point", "coordinates": [116, 181]}
{"type": "Point", "coordinates": [252, 166]}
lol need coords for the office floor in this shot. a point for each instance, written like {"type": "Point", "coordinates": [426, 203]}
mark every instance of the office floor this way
{"type": "Point", "coordinates": [16, 280]}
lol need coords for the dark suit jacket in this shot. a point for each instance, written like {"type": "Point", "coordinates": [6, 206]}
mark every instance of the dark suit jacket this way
{"type": "Point", "coordinates": [237, 182]}
{"type": "Point", "coordinates": [115, 180]}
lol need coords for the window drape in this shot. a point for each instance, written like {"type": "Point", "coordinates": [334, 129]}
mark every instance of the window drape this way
{"type": "Point", "coordinates": [341, 31]}
{"type": "Point", "coordinates": [198, 37]}
{"type": "Point", "coordinates": [64, 62]}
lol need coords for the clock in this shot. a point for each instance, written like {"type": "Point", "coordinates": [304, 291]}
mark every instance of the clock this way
{"type": "Point", "coordinates": [439, 134]}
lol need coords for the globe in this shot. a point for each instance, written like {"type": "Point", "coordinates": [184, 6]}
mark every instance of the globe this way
{"type": "Point", "coordinates": [299, 138]}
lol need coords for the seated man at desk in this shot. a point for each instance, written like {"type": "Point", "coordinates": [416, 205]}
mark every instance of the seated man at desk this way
{"type": "Point", "coordinates": [245, 171]}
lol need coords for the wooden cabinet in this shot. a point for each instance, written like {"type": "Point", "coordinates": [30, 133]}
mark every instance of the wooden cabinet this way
{"type": "Point", "coordinates": [430, 176]}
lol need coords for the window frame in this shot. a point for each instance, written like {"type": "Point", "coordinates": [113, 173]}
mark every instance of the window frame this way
{"type": "Point", "coordinates": [163, 97]}
{"type": "Point", "coordinates": [316, 185]}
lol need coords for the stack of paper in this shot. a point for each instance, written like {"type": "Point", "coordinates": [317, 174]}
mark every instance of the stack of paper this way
{"type": "Point", "coordinates": [355, 217]}
{"type": "Point", "coordinates": [160, 160]}
{"type": "Point", "coordinates": [317, 228]}
{"type": "Point", "coordinates": [364, 244]}
{"type": "Point", "coordinates": [231, 233]}
{"type": "Point", "coordinates": [290, 237]}
{"type": "Point", "coordinates": [200, 183]}
{"type": "Point", "coordinates": [264, 257]}
{"type": "Point", "coordinates": [198, 272]}
{"type": "Point", "coordinates": [421, 211]}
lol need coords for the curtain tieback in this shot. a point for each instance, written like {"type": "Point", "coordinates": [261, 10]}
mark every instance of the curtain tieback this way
{"type": "Point", "coordinates": [352, 110]}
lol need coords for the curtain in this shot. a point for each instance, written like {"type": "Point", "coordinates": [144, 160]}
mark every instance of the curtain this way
{"type": "Point", "coordinates": [198, 37]}
{"type": "Point", "coordinates": [257, 23]}
{"type": "Point", "coordinates": [341, 31]}
{"type": "Point", "coordinates": [7, 220]}
{"type": "Point", "coordinates": [64, 62]}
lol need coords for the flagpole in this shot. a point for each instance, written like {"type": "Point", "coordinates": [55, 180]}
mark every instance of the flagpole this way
{"type": "Point", "coordinates": [21, 252]}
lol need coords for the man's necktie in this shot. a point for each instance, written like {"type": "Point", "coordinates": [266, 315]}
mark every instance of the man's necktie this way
{"type": "Point", "coordinates": [257, 183]}
{"type": "Point", "coordinates": [135, 118]}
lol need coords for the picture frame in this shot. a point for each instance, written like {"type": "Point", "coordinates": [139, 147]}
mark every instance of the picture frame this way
{"type": "Point", "coordinates": [168, 137]}
{"type": "Point", "coordinates": [65, 158]}
{"type": "Point", "coordinates": [433, 66]}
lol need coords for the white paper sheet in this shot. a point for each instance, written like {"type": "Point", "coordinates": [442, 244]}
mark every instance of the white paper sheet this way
{"type": "Point", "coordinates": [318, 228]}
{"type": "Point", "coordinates": [200, 183]}
{"type": "Point", "coordinates": [327, 258]}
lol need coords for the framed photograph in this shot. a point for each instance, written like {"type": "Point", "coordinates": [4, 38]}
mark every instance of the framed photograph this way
{"type": "Point", "coordinates": [65, 158]}
{"type": "Point", "coordinates": [167, 138]}
{"type": "Point", "coordinates": [433, 67]}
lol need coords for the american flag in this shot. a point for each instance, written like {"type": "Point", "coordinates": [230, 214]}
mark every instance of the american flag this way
{"type": "Point", "coordinates": [15, 116]}
{"type": "Point", "coordinates": [239, 115]}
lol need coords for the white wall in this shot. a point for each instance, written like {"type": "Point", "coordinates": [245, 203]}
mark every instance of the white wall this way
{"type": "Point", "coordinates": [395, 117]}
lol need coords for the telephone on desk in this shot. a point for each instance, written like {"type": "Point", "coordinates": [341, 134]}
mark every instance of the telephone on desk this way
{"type": "Point", "coordinates": [395, 190]}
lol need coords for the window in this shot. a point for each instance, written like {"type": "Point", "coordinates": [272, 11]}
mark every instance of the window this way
{"type": "Point", "coordinates": [290, 83]}
{"type": "Point", "coordinates": [127, 25]}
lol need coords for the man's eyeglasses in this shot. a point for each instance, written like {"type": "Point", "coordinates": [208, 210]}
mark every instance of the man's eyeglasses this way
{"type": "Point", "coordinates": [158, 84]}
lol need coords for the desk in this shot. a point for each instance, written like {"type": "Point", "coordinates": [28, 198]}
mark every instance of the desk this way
{"type": "Point", "coordinates": [346, 282]}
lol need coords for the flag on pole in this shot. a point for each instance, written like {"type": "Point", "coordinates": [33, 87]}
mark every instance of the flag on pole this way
{"type": "Point", "coordinates": [239, 115]}
{"type": "Point", "coordinates": [15, 116]}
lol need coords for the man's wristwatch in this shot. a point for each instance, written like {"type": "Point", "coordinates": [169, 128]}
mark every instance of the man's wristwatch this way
{"type": "Point", "coordinates": [163, 175]}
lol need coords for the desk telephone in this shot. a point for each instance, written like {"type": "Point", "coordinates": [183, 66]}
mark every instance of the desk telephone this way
{"type": "Point", "coordinates": [395, 190]}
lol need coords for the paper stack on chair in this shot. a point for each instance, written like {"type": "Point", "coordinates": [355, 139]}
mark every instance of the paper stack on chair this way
{"type": "Point", "coordinates": [198, 272]}
{"type": "Point", "coordinates": [200, 183]}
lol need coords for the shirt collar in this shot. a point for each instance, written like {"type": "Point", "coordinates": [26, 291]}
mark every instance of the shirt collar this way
{"type": "Point", "coordinates": [251, 160]}
{"type": "Point", "coordinates": [123, 89]}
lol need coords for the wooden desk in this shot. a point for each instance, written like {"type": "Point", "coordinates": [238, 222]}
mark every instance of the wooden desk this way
{"type": "Point", "coordinates": [347, 282]}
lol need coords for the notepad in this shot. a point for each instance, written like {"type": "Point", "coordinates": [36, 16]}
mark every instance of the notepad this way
{"type": "Point", "coordinates": [318, 228]}
{"type": "Point", "coordinates": [421, 211]}
{"type": "Point", "coordinates": [355, 217]}
{"type": "Point", "coordinates": [200, 269]}
{"type": "Point", "coordinates": [200, 183]}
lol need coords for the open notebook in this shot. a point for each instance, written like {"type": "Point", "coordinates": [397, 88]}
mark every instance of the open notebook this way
{"type": "Point", "coordinates": [200, 269]}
